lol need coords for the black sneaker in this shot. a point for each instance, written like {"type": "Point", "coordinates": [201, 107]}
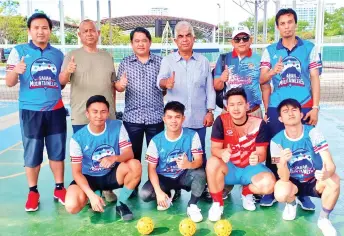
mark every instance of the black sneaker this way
{"type": "Point", "coordinates": [177, 194]}
{"type": "Point", "coordinates": [124, 211]}
{"type": "Point", "coordinates": [206, 195]}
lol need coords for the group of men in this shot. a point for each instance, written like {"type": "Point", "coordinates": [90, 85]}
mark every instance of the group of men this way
{"type": "Point", "coordinates": [106, 153]}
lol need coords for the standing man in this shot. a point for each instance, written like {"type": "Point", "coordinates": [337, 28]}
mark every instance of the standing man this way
{"type": "Point", "coordinates": [292, 65]}
{"type": "Point", "coordinates": [144, 104]}
{"type": "Point", "coordinates": [240, 68]}
{"type": "Point", "coordinates": [42, 114]}
{"type": "Point", "coordinates": [186, 76]}
{"type": "Point", "coordinates": [305, 166]}
{"type": "Point", "coordinates": [90, 71]}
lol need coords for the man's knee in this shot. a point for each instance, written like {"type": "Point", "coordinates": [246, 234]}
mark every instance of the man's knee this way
{"type": "Point", "coordinates": [267, 183]}
{"type": "Point", "coordinates": [283, 191]}
{"type": "Point", "coordinates": [333, 183]}
{"type": "Point", "coordinates": [213, 165]}
{"type": "Point", "coordinates": [73, 206]}
{"type": "Point", "coordinates": [147, 195]}
{"type": "Point", "coordinates": [135, 167]}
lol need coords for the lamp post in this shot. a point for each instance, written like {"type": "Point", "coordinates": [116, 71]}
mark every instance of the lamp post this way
{"type": "Point", "coordinates": [218, 23]}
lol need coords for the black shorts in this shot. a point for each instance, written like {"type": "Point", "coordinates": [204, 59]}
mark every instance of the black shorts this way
{"type": "Point", "coordinates": [105, 182]}
{"type": "Point", "coordinates": [306, 188]}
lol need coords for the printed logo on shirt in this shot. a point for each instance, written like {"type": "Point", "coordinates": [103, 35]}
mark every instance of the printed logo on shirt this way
{"type": "Point", "coordinates": [43, 74]}
{"type": "Point", "coordinates": [99, 153]}
{"type": "Point", "coordinates": [291, 74]}
{"type": "Point", "coordinates": [301, 165]}
{"type": "Point", "coordinates": [86, 148]}
{"type": "Point", "coordinates": [229, 132]}
{"type": "Point", "coordinates": [171, 161]}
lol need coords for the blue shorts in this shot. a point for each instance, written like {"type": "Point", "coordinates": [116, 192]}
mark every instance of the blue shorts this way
{"type": "Point", "coordinates": [39, 127]}
{"type": "Point", "coordinates": [275, 125]}
{"type": "Point", "coordinates": [243, 176]}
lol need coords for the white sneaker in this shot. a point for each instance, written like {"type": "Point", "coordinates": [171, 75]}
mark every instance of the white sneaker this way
{"type": "Point", "coordinates": [110, 196]}
{"type": "Point", "coordinates": [194, 213]}
{"type": "Point", "coordinates": [326, 227]}
{"type": "Point", "coordinates": [248, 202]}
{"type": "Point", "coordinates": [289, 212]}
{"type": "Point", "coordinates": [168, 202]}
{"type": "Point", "coordinates": [215, 212]}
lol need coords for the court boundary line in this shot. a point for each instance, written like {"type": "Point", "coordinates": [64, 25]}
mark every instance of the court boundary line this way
{"type": "Point", "coordinates": [9, 148]}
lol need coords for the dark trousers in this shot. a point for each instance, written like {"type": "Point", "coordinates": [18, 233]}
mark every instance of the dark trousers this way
{"type": "Point", "coordinates": [193, 180]}
{"type": "Point", "coordinates": [136, 132]}
{"type": "Point", "coordinates": [202, 133]}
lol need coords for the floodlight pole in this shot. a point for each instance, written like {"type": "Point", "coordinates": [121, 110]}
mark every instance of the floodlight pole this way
{"type": "Point", "coordinates": [82, 10]}
{"type": "Point", "coordinates": [62, 29]}
{"type": "Point", "coordinates": [98, 22]}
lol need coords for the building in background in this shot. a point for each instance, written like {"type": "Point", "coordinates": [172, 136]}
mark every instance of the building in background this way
{"type": "Point", "coordinates": [159, 11]}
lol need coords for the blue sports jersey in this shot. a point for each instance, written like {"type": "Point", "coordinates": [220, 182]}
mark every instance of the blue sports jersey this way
{"type": "Point", "coordinates": [165, 152]}
{"type": "Point", "coordinates": [40, 88]}
{"type": "Point", "coordinates": [294, 80]}
{"type": "Point", "coordinates": [89, 149]}
{"type": "Point", "coordinates": [305, 150]}
{"type": "Point", "coordinates": [245, 74]}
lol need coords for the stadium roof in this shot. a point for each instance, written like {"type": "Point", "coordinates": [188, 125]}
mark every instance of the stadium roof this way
{"type": "Point", "coordinates": [131, 22]}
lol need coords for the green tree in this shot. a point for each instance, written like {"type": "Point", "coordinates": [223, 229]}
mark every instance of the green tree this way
{"type": "Point", "coordinates": [116, 35]}
{"type": "Point", "coordinates": [334, 23]}
{"type": "Point", "coordinates": [9, 8]}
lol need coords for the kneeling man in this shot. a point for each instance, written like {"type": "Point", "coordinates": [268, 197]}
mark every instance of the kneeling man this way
{"type": "Point", "coordinates": [102, 159]}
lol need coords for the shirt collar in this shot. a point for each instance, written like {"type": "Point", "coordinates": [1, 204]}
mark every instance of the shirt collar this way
{"type": "Point", "coordinates": [280, 45]}
{"type": "Point", "coordinates": [178, 57]}
{"type": "Point", "coordinates": [133, 57]}
{"type": "Point", "coordinates": [248, 54]}
{"type": "Point", "coordinates": [35, 47]}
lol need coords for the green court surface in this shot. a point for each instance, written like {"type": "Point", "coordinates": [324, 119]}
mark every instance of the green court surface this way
{"type": "Point", "coordinates": [52, 219]}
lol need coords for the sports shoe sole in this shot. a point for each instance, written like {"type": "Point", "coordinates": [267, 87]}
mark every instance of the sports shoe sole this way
{"type": "Point", "coordinates": [56, 199]}
{"type": "Point", "coordinates": [304, 208]}
{"type": "Point", "coordinates": [31, 209]}
{"type": "Point", "coordinates": [268, 205]}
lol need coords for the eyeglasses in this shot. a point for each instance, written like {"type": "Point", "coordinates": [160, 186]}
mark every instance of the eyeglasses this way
{"type": "Point", "coordinates": [245, 39]}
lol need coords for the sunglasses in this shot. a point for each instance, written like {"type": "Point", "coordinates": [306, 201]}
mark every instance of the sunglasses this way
{"type": "Point", "coordinates": [245, 39]}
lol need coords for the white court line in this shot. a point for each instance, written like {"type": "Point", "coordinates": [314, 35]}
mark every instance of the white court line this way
{"type": "Point", "coordinates": [8, 149]}
{"type": "Point", "coordinates": [20, 173]}
{"type": "Point", "coordinates": [9, 120]}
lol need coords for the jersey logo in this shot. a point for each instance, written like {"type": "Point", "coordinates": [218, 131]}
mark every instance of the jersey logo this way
{"type": "Point", "coordinates": [291, 74]}
{"type": "Point", "coordinates": [229, 132]}
{"type": "Point", "coordinates": [274, 57]}
{"type": "Point", "coordinates": [86, 148]}
{"type": "Point", "coordinates": [99, 153]}
{"type": "Point", "coordinates": [43, 74]}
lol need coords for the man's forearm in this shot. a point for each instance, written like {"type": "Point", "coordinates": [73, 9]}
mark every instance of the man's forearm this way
{"type": "Point", "coordinates": [196, 163]}
{"type": "Point", "coordinates": [162, 84]}
{"type": "Point", "coordinates": [11, 78]}
{"type": "Point", "coordinates": [315, 90]}
{"type": "Point", "coordinates": [218, 84]}
{"type": "Point", "coordinates": [64, 77]}
{"type": "Point", "coordinates": [154, 179]}
{"type": "Point", "coordinates": [266, 92]}
{"type": "Point", "coordinates": [283, 171]}
{"type": "Point", "coordinates": [265, 77]}
{"type": "Point", "coordinates": [217, 152]}
{"type": "Point", "coordinates": [81, 181]}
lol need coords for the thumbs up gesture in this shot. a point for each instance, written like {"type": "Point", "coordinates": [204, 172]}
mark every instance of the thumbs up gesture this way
{"type": "Point", "coordinates": [254, 158]}
{"type": "Point", "coordinates": [226, 154]}
{"type": "Point", "coordinates": [170, 81]}
{"type": "Point", "coordinates": [322, 174]}
{"type": "Point", "coordinates": [225, 75]}
{"type": "Point", "coordinates": [286, 155]}
{"type": "Point", "coordinates": [278, 67]}
{"type": "Point", "coordinates": [123, 81]}
{"type": "Point", "coordinates": [20, 68]}
{"type": "Point", "coordinates": [71, 68]}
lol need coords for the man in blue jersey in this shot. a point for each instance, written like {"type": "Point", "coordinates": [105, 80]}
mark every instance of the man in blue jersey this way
{"type": "Point", "coordinates": [174, 159]}
{"type": "Point", "coordinates": [102, 159]}
{"type": "Point", "coordinates": [240, 68]}
{"type": "Point", "coordinates": [41, 111]}
{"type": "Point", "coordinates": [292, 67]}
{"type": "Point", "coordinates": [305, 165]}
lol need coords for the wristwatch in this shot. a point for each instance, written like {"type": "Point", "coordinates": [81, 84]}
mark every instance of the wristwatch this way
{"type": "Point", "coordinates": [316, 107]}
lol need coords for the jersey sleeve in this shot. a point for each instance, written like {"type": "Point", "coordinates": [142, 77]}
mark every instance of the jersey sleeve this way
{"type": "Point", "coordinates": [319, 142]}
{"type": "Point", "coordinates": [314, 60]}
{"type": "Point", "coordinates": [75, 151]}
{"type": "Point", "coordinates": [124, 140]}
{"type": "Point", "coordinates": [263, 137]}
{"type": "Point", "coordinates": [196, 146]}
{"type": "Point", "coordinates": [13, 60]}
{"type": "Point", "coordinates": [217, 134]}
{"type": "Point", "coordinates": [265, 61]}
{"type": "Point", "coordinates": [275, 149]}
{"type": "Point", "coordinates": [152, 154]}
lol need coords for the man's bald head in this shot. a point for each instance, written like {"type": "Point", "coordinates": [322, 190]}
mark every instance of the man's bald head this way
{"type": "Point", "coordinates": [88, 33]}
